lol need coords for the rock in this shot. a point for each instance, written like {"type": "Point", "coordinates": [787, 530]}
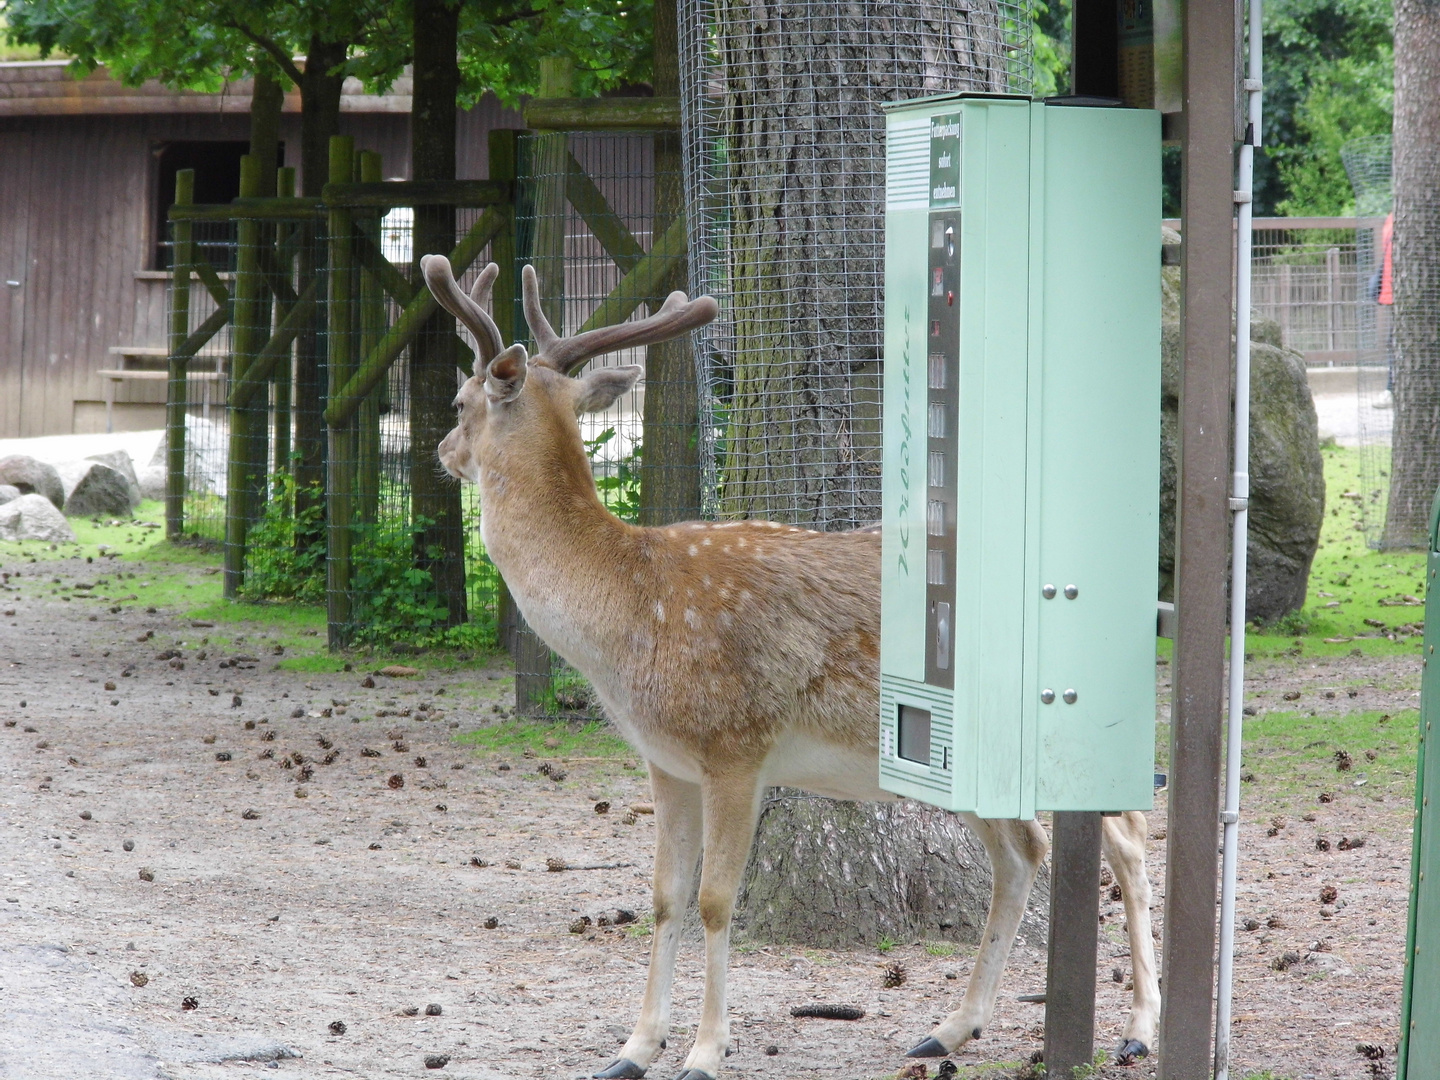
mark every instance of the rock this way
{"type": "Point", "coordinates": [9, 493]}
{"type": "Point", "coordinates": [33, 477]}
{"type": "Point", "coordinates": [120, 461]}
{"type": "Point", "coordinates": [1287, 474]}
{"type": "Point", "coordinates": [93, 489]}
{"type": "Point", "coordinates": [34, 517]}
{"type": "Point", "coordinates": [152, 482]}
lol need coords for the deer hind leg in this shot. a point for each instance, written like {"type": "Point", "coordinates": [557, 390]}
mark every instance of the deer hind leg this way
{"type": "Point", "coordinates": [678, 816]}
{"type": "Point", "coordinates": [1123, 841]}
{"type": "Point", "coordinates": [1016, 850]}
{"type": "Point", "coordinates": [731, 805]}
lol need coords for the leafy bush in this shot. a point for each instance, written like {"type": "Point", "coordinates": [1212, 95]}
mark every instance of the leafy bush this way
{"type": "Point", "coordinates": [276, 566]}
{"type": "Point", "coordinates": [392, 599]}
{"type": "Point", "coordinates": [620, 489]}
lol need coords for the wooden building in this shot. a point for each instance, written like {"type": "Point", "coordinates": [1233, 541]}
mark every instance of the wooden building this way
{"type": "Point", "coordinates": [87, 171]}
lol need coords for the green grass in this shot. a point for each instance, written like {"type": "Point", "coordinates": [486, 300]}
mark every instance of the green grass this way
{"type": "Point", "coordinates": [1354, 579]}
{"type": "Point", "coordinates": [1351, 577]}
{"type": "Point", "coordinates": [1292, 756]}
{"type": "Point", "coordinates": [547, 739]}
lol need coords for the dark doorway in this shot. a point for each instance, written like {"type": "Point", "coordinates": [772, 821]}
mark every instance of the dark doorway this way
{"type": "Point", "coordinates": [217, 180]}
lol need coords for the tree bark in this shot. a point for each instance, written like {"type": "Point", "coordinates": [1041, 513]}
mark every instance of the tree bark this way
{"type": "Point", "coordinates": [807, 188]}
{"type": "Point", "coordinates": [434, 495]}
{"type": "Point", "coordinates": [670, 461]}
{"type": "Point", "coordinates": [266, 101]}
{"type": "Point", "coordinates": [838, 874]}
{"type": "Point", "coordinates": [1415, 442]}
{"type": "Point", "coordinates": [806, 140]}
{"type": "Point", "coordinates": [319, 120]}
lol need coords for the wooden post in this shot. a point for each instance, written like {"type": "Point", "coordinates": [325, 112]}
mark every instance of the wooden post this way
{"type": "Point", "coordinates": [1201, 540]}
{"type": "Point", "coordinates": [504, 167]}
{"type": "Point", "coordinates": [670, 464]}
{"type": "Point", "coordinates": [368, 170]}
{"type": "Point", "coordinates": [249, 331]}
{"type": "Point", "coordinates": [285, 188]}
{"type": "Point", "coordinates": [1074, 917]}
{"type": "Point", "coordinates": [534, 664]}
{"type": "Point", "coordinates": [436, 513]}
{"type": "Point", "coordinates": [340, 478]}
{"type": "Point", "coordinates": [177, 396]}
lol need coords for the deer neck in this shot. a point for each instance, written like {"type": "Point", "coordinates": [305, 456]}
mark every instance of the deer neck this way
{"type": "Point", "coordinates": [558, 548]}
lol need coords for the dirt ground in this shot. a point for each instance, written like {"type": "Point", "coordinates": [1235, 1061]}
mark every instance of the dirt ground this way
{"type": "Point", "coordinates": [282, 905]}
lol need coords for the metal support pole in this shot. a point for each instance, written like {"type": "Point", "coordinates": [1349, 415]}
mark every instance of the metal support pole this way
{"type": "Point", "coordinates": [1074, 916]}
{"type": "Point", "coordinates": [1202, 528]}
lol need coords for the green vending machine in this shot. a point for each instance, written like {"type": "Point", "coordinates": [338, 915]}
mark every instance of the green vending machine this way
{"type": "Point", "coordinates": [1022, 454]}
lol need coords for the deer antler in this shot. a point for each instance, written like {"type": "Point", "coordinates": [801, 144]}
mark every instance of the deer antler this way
{"type": "Point", "coordinates": [470, 310]}
{"type": "Point", "coordinates": [675, 317]}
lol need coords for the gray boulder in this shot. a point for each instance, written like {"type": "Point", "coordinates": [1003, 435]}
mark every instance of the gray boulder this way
{"type": "Point", "coordinates": [8, 492]}
{"type": "Point", "coordinates": [96, 490]}
{"type": "Point", "coordinates": [33, 477]}
{"type": "Point", "coordinates": [121, 462]}
{"type": "Point", "coordinates": [34, 517]}
{"type": "Point", "coordinates": [1287, 474]}
{"type": "Point", "coordinates": [152, 482]}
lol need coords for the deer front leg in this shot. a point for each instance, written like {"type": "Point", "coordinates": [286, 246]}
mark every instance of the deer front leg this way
{"type": "Point", "coordinates": [731, 804]}
{"type": "Point", "coordinates": [1123, 841]}
{"type": "Point", "coordinates": [678, 818]}
{"type": "Point", "coordinates": [1016, 850]}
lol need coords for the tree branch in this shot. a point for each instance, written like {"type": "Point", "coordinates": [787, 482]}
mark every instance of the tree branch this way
{"type": "Point", "coordinates": [279, 55]}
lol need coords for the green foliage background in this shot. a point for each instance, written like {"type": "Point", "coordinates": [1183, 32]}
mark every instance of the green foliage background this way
{"type": "Point", "coordinates": [1329, 78]}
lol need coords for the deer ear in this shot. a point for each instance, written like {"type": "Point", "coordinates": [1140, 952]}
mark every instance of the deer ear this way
{"type": "Point", "coordinates": [505, 376]}
{"type": "Point", "coordinates": [601, 388]}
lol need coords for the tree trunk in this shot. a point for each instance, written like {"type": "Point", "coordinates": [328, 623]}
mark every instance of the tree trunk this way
{"type": "Point", "coordinates": [837, 874]}
{"type": "Point", "coordinates": [434, 495]}
{"type": "Point", "coordinates": [670, 461]}
{"type": "Point", "coordinates": [319, 120]}
{"type": "Point", "coordinates": [806, 188]}
{"type": "Point", "coordinates": [266, 101]}
{"type": "Point", "coordinates": [1415, 442]}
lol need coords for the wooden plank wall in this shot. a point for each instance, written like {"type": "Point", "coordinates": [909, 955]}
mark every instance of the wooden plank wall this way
{"type": "Point", "coordinates": [76, 205]}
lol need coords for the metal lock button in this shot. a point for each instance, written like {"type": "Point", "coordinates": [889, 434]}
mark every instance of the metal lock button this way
{"type": "Point", "coordinates": [1069, 697]}
{"type": "Point", "coordinates": [1047, 696]}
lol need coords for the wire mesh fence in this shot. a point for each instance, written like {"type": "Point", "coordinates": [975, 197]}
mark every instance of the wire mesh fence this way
{"type": "Point", "coordinates": [591, 208]}
{"type": "Point", "coordinates": [199, 389]}
{"type": "Point", "coordinates": [404, 562]}
{"type": "Point", "coordinates": [1367, 162]}
{"type": "Point", "coordinates": [323, 484]}
{"type": "Point", "coordinates": [784, 183]}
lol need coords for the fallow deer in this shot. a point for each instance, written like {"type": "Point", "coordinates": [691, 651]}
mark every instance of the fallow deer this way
{"type": "Point", "coordinates": [733, 655]}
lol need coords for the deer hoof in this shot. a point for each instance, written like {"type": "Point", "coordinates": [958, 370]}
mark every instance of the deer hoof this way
{"type": "Point", "coordinates": [621, 1069]}
{"type": "Point", "coordinates": [1131, 1051]}
{"type": "Point", "coordinates": [931, 1047]}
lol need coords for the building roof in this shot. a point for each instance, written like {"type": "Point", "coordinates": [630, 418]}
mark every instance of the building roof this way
{"type": "Point", "coordinates": [53, 88]}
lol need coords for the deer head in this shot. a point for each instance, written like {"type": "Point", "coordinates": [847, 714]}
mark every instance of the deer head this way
{"type": "Point", "coordinates": [514, 396]}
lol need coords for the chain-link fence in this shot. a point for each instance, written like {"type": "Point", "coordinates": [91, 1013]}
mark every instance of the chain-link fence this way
{"type": "Point", "coordinates": [785, 186]}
